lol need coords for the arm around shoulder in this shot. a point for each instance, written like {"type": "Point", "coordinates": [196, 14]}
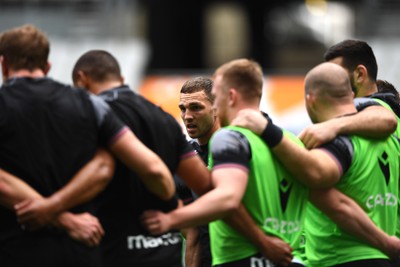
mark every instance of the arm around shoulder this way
{"type": "Point", "coordinates": [315, 168]}
{"type": "Point", "coordinates": [373, 121]}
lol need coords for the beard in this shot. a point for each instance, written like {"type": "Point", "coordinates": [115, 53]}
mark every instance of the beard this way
{"type": "Point", "coordinates": [354, 88]}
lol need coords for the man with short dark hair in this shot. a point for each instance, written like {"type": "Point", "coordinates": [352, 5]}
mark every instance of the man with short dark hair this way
{"type": "Point", "coordinates": [359, 61]}
{"type": "Point", "coordinates": [126, 243]}
{"type": "Point", "coordinates": [201, 122]}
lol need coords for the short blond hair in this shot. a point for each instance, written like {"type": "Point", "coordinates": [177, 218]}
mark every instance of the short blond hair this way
{"type": "Point", "coordinates": [245, 75]}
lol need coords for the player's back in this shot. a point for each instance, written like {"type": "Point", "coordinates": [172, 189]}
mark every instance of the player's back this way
{"type": "Point", "coordinates": [160, 132]}
{"type": "Point", "coordinates": [372, 182]}
{"type": "Point", "coordinates": [49, 131]}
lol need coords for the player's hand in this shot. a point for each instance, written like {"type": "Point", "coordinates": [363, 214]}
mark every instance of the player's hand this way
{"type": "Point", "coordinates": [82, 227]}
{"type": "Point", "coordinates": [251, 119]}
{"type": "Point", "coordinates": [156, 222]}
{"type": "Point", "coordinates": [33, 214]}
{"type": "Point", "coordinates": [276, 250]}
{"type": "Point", "coordinates": [318, 134]}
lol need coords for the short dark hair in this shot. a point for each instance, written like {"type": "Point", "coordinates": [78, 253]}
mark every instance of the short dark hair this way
{"type": "Point", "coordinates": [354, 52]}
{"type": "Point", "coordinates": [100, 65]}
{"type": "Point", "coordinates": [198, 84]}
{"type": "Point", "coordinates": [25, 47]}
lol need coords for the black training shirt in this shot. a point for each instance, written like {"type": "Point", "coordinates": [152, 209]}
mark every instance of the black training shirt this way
{"type": "Point", "coordinates": [125, 199]}
{"type": "Point", "coordinates": [48, 131]}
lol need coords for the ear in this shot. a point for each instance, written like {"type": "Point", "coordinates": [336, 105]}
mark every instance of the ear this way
{"type": "Point", "coordinates": [47, 69]}
{"type": "Point", "coordinates": [311, 101]}
{"type": "Point", "coordinates": [311, 107]}
{"type": "Point", "coordinates": [82, 81]}
{"type": "Point", "coordinates": [4, 69]}
{"type": "Point", "coordinates": [215, 113]}
{"type": "Point", "coordinates": [233, 95]}
{"type": "Point", "coordinates": [122, 79]}
{"type": "Point", "coordinates": [360, 74]}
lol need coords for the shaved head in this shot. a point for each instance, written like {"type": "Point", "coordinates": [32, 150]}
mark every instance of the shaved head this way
{"type": "Point", "coordinates": [328, 92]}
{"type": "Point", "coordinates": [328, 79]}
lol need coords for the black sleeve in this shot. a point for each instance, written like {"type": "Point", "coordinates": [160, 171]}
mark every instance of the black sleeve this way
{"type": "Point", "coordinates": [389, 99]}
{"type": "Point", "coordinates": [364, 102]}
{"type": "Point", "coordinates": [186, 148]}
{"type": "Point", "coordinates": [342, 150]}
{"type": "Point", "coordinates": [230, 147]}
{"type": "Point", "coordinates": [110, 126]}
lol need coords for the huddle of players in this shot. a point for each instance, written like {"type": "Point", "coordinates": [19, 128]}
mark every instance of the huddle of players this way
{"type": "Point", "coordinates": [331, 200]}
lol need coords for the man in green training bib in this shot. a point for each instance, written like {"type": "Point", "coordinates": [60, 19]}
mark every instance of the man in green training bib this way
{"type": "Point", "coordinates": [366, 170]}
{"type": "Point", "coordinates": [238, 159]}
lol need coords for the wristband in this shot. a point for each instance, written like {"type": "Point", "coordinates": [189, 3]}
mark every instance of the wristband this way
{"type": "Point", "coordinates": [170, 204]}
{"type": "Point", "coordinates": [272, 134]}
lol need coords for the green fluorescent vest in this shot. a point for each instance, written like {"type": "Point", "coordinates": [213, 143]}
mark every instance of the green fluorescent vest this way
{"type": "Point", "coordinates": [268, 185]}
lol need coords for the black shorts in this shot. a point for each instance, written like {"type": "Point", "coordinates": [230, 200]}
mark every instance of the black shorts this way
{"type": "Point", "coordinates": [125, 250]}
{"type": "Point", "coordinates": [255, 261]}
{"type": "Point", "coordinates": [366, 263]}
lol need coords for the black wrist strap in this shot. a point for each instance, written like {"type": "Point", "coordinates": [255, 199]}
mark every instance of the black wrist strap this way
{"type": "Point", "coordinates": [272, 134]}
{"type": "Point", "coordinates": [171, 204]}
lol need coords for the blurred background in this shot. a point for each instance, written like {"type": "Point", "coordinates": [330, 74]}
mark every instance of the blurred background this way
{"type": "Point", "coordinates": [160, 44]}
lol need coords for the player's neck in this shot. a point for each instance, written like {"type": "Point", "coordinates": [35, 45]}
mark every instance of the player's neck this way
{"type": "Point", "coordinates": [367, 90]}
{"type": "Point", "coordinates": [338, 111]}
{"type": "Point", "coordinates": [240, 106]}
{"type": "Point", "coordinates": [98, 88]}
{"type": "Point", "coordinates": [36, 73]}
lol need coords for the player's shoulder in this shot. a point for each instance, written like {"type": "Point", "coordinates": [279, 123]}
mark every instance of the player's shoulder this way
{"type": "Point", "coordinates": [364, 102]}
{"type": "Point", "coordinates": [227, 138]}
